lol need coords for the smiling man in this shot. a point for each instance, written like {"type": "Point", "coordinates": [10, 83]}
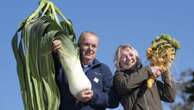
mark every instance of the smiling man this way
{"type": "Point", "coordinates": [88, 43]}
{"type": "Point", "coordinates": [101, 96]}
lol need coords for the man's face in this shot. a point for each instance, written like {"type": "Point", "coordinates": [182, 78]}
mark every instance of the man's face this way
{"type": "Point", "coordinates": [127, 58]}
{"type": "Point", "coordinates": [88, 48]}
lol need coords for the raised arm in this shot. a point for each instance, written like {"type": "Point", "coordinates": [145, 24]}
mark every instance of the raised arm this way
{"type": "Point", "coordinates": [166, 88]}
{"type": "Point", "coordinates": [126, 82]}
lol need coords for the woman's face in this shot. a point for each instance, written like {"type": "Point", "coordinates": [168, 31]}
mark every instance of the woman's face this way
{"type": "Point", "coordinates": [127, 58]}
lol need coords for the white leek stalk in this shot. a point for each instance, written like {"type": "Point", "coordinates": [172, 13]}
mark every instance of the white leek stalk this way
{"type": "Point", "coordinates": [77, 79]}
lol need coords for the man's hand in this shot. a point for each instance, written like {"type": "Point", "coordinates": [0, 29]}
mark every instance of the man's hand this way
{"type": "Point", "coordinates": [56, 44]}
{"type": "Point", "coordinates": [85, 95]}
{"type": "Point", "coordinates": [156, 71]}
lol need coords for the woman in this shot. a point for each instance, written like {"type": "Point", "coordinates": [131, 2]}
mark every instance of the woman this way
{"type": "Point", "coordinates": [130, 82]}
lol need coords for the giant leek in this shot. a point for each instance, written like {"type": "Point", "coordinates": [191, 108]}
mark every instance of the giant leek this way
{"type": "Point", "coordinates": [35, 64]}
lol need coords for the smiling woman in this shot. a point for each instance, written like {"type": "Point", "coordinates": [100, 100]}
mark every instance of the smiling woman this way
{"type": "Point", "coordinates": [127, 57]}
{"type": "Point", "coordinates": [130, 78]}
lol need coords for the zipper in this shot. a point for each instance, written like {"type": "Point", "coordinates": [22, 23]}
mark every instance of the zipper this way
{"type": "Point", "coordinates": [146, 102]}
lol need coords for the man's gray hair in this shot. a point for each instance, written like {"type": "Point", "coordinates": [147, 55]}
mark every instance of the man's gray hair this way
{"type": "Point", "coordinates": [83, 34]}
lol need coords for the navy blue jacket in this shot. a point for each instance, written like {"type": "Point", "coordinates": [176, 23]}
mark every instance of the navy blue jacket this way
{"type": "Point", "coordinates": [101, 79]}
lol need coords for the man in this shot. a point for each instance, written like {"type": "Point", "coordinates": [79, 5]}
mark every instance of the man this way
{"type": "Point", "coordinates": [130, 82]}
{"type": "Point", "coordinates": [102, 95]}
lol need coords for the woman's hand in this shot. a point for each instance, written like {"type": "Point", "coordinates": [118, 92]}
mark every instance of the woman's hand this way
{"type": "Point", "coordinates": [156, 71]}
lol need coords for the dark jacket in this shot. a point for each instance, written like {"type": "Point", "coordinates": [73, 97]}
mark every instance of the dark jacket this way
{"type": "Point", "coordinates": [134, 94]}
{"type": "Point", "coordinates": [101, 79]}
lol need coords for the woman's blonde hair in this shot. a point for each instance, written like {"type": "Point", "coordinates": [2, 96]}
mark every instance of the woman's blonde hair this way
{"type": "Point", "coordinates": [118, 54]}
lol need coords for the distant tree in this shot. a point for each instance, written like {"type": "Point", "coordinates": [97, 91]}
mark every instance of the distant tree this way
{"type": "Point", "coordinates": [185, 87]}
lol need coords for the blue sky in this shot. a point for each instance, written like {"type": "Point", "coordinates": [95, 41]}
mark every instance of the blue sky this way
{"type": "Point", "coordinates": [116, 22]}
